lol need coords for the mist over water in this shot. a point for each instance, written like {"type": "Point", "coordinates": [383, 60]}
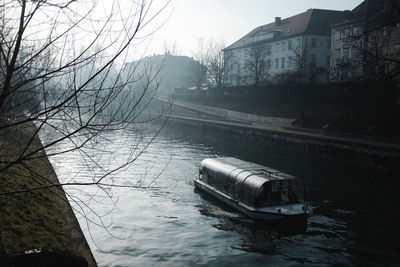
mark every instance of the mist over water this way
{"type": "Point", "coordinates": [169, 224]}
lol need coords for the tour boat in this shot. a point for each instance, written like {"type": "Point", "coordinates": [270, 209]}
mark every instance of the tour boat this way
{"type": "Point", "coordinates": [259, 192]}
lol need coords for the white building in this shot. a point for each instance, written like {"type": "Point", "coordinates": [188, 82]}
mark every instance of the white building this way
{"type": "Point", "coordinates": [299, 42]}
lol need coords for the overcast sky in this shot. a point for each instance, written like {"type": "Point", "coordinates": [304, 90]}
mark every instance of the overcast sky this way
{"type": "Point", "coordinates": [227, 20]}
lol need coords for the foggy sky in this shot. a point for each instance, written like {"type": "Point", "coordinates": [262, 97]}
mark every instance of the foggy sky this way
{"type": "Point", "coordinates": [227, 20]}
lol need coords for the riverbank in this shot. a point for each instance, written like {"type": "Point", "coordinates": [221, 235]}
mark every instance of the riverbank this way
{"type": "Point", "coordinates": [37, 226]}
{"type": "Point", "coordinates": [360, 108]}
{"type": "Point", "coordinates": [295, 143]}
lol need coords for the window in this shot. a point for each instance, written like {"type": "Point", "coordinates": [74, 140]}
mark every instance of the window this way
{"type": "Point", "coordinates": [342, 35]}
{"type": "Point", "coordinates": [384, 51]}
{"type": "Point", "coordinates": [337, 56]}
{"type": "Point", "coordinates": [397, 48]}
{"type": "Point", "coordinates": [313, 60]}
{"type": "Point", "coordinates": [276, 63]}
{"type": "Point", "coordinates": [356, 31]}
{"type": "Point", "coordinates": [283, 46]}
{"type": "Point", "coordinates": [347, 33]}
{"type": "Point", "coordinates": [268, 50]}
{"type": "Point", "coordinates": [283, 62]}
{"type": "Point", "coordinates": [268, 63]}
{"type": "Point", "coordinates": [346, 54]}
{"type": "Point", "coordinates": [314, 42]}
{"type": "Point", "coordinates": [289, 45]}
{"type": "Point", "coordinates": [337, 35]}
{"type": "Point", "coordinates": [277, 47]}
{"type": "Point", "coordinates": [238, 74]}
{"type": "Point", "coordinates": [384, 32]}
{"type": "Point", "coordinates": [298, 41]}
{"type": "Point", "coordinates": [289, 62]}
{"type": "Point", "coordinates": [356, 44]}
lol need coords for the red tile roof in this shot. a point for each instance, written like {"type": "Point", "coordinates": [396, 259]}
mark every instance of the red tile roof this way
{"type": "Point", "coordinates": [313, 21]}
{"type": "Point", "coordinates": [366, 10]}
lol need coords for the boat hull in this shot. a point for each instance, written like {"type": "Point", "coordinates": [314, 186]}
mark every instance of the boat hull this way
{"type": "Point", "coordinates": [254, 213]}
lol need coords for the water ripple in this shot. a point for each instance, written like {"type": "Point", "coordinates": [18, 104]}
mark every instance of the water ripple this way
{"type": "Point", "coordinates": [171, 225]}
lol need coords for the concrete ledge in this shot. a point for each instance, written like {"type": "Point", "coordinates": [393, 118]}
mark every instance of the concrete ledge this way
{"type": "Point", "coordinates": [77, 241]}
{"type": "Point", "coordinates": [287, 141]}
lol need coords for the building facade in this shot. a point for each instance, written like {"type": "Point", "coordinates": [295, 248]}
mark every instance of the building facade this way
{"type": "Point", "coordinates": [366, 43]}
{"type": "Point", "coordinates": [299, 45]}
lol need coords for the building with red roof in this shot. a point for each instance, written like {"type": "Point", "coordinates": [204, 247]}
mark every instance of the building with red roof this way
{"type": "Point", "coordinates": [298, 43]}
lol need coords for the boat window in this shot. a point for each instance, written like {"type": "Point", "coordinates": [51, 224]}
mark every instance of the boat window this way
{"type": "Point", "coordinates": [263, 198]}
{"type": "Point", "coordinates": [204, 176]}
{"type": "Point", "coordinates": [297, 191]}
{"type": "Point", "coordinates": [279, 192]}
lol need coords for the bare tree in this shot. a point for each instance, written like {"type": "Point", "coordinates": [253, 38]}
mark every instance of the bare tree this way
{"type": "Point", "coordinates": [170, 48]}
{"type": "Point", "coordinates": [301, 64]}
{"type": "Point", "coordinates": [305, 68]}
{"type": "Point", "coordinates": [256, 64]}
{"type": "Point", "coordinates": [371, 45]}
{"type": "Point", "coordinates": [211, 58]}
{"type": "Point", "coordinates": [379, 45]}
{"type": "Point", "coordinates": [304, 71]}
{"type": "Point", "coordinates": [341, 71]}
{"type": "Point", "coordinates": [69, 56]}
{"type": "Point", "coordinates": [216, 64]}
{"type": "Point", "coordinates": [199, 67]}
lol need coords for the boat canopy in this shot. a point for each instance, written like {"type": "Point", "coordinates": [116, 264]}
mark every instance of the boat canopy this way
{"type": "Point", "coordinates": [250, 183]}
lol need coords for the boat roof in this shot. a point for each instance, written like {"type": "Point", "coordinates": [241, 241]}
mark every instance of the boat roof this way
{"type": "Point", "coordinates": [233, 166]}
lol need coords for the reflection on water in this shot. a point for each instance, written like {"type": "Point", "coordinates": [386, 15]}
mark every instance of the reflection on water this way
{"type": "Point", "coordinates": [354, 223]}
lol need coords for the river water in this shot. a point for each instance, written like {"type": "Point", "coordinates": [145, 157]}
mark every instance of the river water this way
{"type": "Point", "coordinates": [355, 219]}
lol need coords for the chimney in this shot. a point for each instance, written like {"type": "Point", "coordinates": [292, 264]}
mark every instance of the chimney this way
{"type": "Point", "coordinates": [278, 20]}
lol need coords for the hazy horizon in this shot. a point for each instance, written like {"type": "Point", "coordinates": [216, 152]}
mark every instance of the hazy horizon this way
{"type": "Point", "coordinates": [184, 22]}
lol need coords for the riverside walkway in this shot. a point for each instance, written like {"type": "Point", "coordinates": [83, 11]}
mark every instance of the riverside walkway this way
{"type": "Point", "coordinates": [279, 126]}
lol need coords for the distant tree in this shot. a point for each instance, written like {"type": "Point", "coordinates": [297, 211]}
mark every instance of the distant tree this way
{"type": "Point", "coordinates": [305, 69]}
{"type": "Point", "coordinates": [199, 68]}
{"type": "Point", "coordinates": [301, 63]}
{"type": "Point", "coordinates": [341, 71]}
{"type": "Point", "coordinates": [380, 52]}
{"type": "Point", "coordinates": [212, 61]}
{"type": "Point", "coordinates": [170, 48]}
{"type": "Point", "coordinates": [374, 44]}
{"type": "Point", "coordinates": [216, 64]}
{"type": "Point", "coordinates": [256, 65]}
{"type": "Point", "coordinates": [380, 42]}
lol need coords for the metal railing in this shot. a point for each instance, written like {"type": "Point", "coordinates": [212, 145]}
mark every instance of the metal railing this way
{"type": "Point", "coordinates": [346, 136]}
{"type": "Point", "coordinates": [284, 125]}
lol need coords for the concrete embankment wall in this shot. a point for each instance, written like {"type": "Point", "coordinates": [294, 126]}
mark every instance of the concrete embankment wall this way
{"type": "Point", "coordinates": [77, 240]}
{"type": "Point", "coordinates": [292, 143]}
{"type": "Point", "coordinates": [362, 108]}
{"type": "Point", "coordinates": [236, 115]}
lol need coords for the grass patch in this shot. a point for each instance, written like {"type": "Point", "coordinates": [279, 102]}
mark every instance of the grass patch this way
{"type": "Point", "coordinates": [31, 219]}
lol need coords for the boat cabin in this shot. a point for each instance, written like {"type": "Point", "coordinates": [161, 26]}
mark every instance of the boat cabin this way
{"type": "Point", "coordinates": [250, 183]}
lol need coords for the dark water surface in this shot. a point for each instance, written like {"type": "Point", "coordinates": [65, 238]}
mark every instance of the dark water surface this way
{"type": "Point", "coordinates": [355, 219]}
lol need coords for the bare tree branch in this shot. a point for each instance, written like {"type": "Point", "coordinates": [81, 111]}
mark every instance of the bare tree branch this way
{"type": "Point", "coordinates": [63, 78]}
